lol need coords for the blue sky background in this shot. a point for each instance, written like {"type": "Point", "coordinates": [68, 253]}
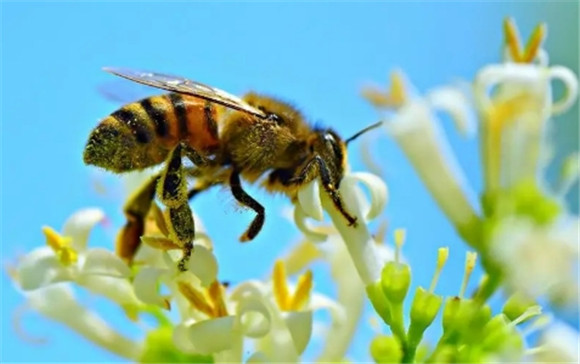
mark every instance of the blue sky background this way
{"type": "Point", "coordinates": [316, 55]}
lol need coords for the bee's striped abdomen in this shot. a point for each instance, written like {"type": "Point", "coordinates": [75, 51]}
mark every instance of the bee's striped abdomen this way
{"type": "Point", "coordinates": [201, 123]}
{"type": "Point", "coordinates": [141, 134]}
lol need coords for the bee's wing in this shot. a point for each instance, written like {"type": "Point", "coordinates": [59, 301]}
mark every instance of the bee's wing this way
{"type": "Point", "coordinates": [185, 86]}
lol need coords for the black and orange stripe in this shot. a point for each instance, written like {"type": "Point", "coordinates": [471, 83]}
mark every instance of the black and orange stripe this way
{"type": "Point", "coordinates": [146, 130]}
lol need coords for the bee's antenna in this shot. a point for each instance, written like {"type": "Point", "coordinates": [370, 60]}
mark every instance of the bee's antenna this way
{"type": "Point", "coordinates": [370, 127]}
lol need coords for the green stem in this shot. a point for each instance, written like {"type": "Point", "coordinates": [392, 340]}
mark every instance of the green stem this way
{"type": "Point", "coordinates": [397, 324]}
{"type": "Point", "coordinates": [414, 337]}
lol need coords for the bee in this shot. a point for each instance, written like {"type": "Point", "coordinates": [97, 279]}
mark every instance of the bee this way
{"type": "Point", "coordinates": [226, 139]}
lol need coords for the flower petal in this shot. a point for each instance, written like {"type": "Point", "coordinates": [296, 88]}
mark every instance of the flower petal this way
{"type": "Point", "coordinates": [40, 268]}
{"type": "Point", "coordinates": [254, 317]}
{"type": "Point", "coordinates": [309, 200]}
{"type": "Point", "coordinates": [99, 261]}
{"type": "Point", "coordinates": [203, 264]}
{"type": "Point", "coordinates": [560, 344]}
{"type": "Point", "coordinates": [212, 336]}
{"type": "Point", "coordinates": [79, 226]}
{"type": "Point", "coordinates": [361, 246]}
{"type": "Point", "coordinates": [421, 138]}
{"type": "Point", "coordinates": [377, 189]}
{"type": "Point", "coordinates": [116, 289]}
{"type": "Point", "coordinates": [299, 324]}
{"type": "Point", "coordinates": [454, 102]}
{"type": "Point", "coordinates": [300, 221]}
{"type": "Point", "coordinates": [146, 285]}
{"type": "Point", "coordinates": [58, 303]}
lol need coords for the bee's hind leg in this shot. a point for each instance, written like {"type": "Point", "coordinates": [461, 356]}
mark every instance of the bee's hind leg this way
{"type": "Point", "coordinates": [136, 210]}
{"type": "Point", "coordinates": [247, 200]}
{"type": "Point", "coordinates": [172, 191]}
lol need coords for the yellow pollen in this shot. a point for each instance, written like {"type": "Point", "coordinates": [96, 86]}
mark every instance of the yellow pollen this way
{"type": "Point", "coordinates": [470, 259]}
{"type": "Point", "coordinates": [196, 298]}
{"type": "Point", "coordinates": [158, 221]}
{"type": "Point", "coordinates": [60, 245]}
{"type": "Point", "coordinates": [302, 293]}
{"type": "Point", "coordinates": [217, 297]}
{"type": "Point", "coordinates": [281, 293]}
{"type": "Point", "coordinates": [442, 255]}
{"type": "Point", "coordinates": [513, 42]}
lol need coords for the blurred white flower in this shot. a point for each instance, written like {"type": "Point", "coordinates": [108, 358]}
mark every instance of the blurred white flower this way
{"type": "Point", "coordinates": [417, 130]}
{"type": "Point", "coordinates": [514, 116]}
{"type": "Point", "coordinates": [559, 343]}
{"type": "Point", "coordinates": [539, 260]}
{"type": "Point", "coordinates": [58, 303]}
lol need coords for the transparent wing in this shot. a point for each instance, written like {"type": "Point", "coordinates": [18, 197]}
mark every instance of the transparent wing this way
{"type": "Point", "coordinates": [121, 92]}
{"type": "Point", "coordinates": [185, 86]}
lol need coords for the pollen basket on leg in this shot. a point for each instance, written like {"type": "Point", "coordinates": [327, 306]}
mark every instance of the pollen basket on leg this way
{"type": "Point", "coordinates": [172, 187]}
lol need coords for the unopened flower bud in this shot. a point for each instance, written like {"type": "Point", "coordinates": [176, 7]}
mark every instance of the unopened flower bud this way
{"type": "Point", "coordinates": [386, 349]}
{"type": "Point", "coordinates": [395, 281]}
{"type": "Point", "coordinates": [500, 336]}
{"type": "Point", "coordinates": [516, 305]}
{"type": "Point", "coordinates": [425, 307]}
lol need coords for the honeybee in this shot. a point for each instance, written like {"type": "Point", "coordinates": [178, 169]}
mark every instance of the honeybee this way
{"type": "Point", "coordinates": [225, 138]}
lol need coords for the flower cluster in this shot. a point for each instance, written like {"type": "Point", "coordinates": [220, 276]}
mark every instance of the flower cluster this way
{"type": "Point", "coordinates": [520, 232]}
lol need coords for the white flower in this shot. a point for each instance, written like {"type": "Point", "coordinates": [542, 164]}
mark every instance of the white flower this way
{"type": "Point", "coordinates": [68, 258]}
{"type": "Point", "coordinates": [558, 343]}
{"type": "Point", "coordinates": [514, 100]}
{"type": "Point", "coordinates": [417, 130]}
{"type": "Point", "coordinates": [539, 260]}
{"type": "Point", "coordinates": [513, 119]}
{"type": "Point", "coordinates": [361, 246]}
{"type": "Point", "coordinates": [58, 303]}
{"type": "Point", "coordinates": [291, 314]}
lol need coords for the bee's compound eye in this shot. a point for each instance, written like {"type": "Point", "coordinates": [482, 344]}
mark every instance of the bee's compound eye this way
{"type": "Point", "coordinates": [329, 138]}
{"type": "Point", "coordinates": [274, 118]}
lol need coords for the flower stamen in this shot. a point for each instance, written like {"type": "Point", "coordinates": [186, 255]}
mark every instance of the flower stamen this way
{"type": "Point", "coordinates": [302, 293]}
{"type": "Point", "coordinates": [197, 299]}
{"type": "Point", "coordinates": [61, 245]}
{"type": "Point", "coordinates": [400, 235]}
{"type": "Point", "coordinates": [285, 300]}
{"type": "Point", "coordinates": [442, 255]}
{"type": "Point", "coordinates": [216, 295]}
{"type": "Point", "coordinates": [513, 42]}
{"type": "Point", "coordinates": [470, 259]}
{"type": "Point", "coordinates": [394, 98]}
{"type": "Point", "coordinates": [281, 292]}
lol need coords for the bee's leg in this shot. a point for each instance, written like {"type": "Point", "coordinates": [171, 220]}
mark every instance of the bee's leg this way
{"type": "Point", "coordinates": [172, 191]}
{"type": "Point", "coordinates": [195, 157]}
{"type": "Point", "coordinates": [136, 210]}
{"type": "Point", "coordinates": [329, 185]}
{"type": "Point", "coordinates": [248, 201]}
